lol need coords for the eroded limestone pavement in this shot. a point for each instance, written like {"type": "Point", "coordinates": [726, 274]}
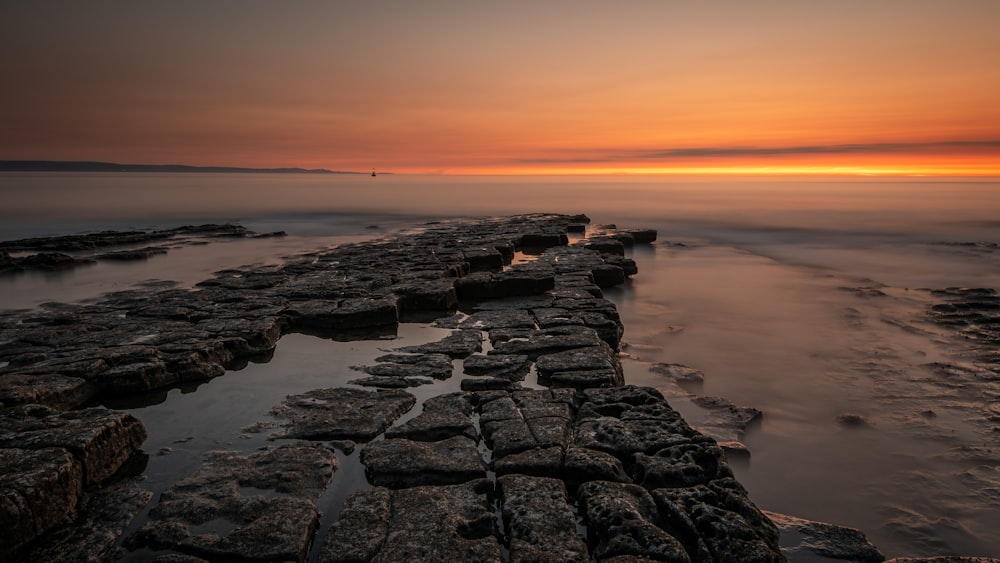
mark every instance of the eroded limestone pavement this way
{"type": "Point", "coordinates": [586, 468]}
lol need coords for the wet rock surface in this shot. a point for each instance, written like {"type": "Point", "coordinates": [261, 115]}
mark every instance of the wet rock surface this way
{"type": "Point", "coordinates": [221, 513]}
{"type": "Point", "coordinates": [582, 468]}
{"type": "Point", "coordinates": [49, 459]}
{"type": "Point", "coordinates": [416, 524]}
{"type": "Point", "coordinates": [340, 413]}
{"type": "Point", "coordinates": [802, 538]}
{"type": "Point", "coordinates": [49, 253]}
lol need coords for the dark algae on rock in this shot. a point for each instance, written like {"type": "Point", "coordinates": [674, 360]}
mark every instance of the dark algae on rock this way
{"type": "Point", "coordinates": [539, 452]}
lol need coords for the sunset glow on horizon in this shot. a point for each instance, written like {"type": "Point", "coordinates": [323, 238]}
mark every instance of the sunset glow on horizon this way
{"type": "Point", "coordinates": [778, 87]}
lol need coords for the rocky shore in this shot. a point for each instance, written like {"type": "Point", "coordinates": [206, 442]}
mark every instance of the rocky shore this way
{"type": "Point", "coordinates": [71, 251]}
{"type": "Point", "coordinates": [544, 454]}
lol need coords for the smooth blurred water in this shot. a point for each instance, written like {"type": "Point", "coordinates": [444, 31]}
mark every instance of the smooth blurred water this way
{"type": "Point", "coordinates": [751, 281]}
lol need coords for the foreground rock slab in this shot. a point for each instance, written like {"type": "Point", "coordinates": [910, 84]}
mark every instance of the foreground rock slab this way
{"type": "Point", "coordinates": [415, 524]}
{"type": "Point", "coordinates": [540, 520]}
{"type": "Point", "coordinates": [340, 413]}
{"type": "Point", "coordinates": [586, 469]}
{"type": "Point", "coordinates": [48, 459]}
{"type": "Point", "coordinates": [220, 513]}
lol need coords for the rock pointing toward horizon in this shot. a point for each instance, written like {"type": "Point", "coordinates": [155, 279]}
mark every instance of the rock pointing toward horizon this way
{"type": "Point", "coordinates": [585, 468]}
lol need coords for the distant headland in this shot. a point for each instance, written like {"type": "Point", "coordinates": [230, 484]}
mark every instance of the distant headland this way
{"type": "Point", "coordinates": [84, 166]}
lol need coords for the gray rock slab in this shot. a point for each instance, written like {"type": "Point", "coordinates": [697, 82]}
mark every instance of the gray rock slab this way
{"type": "Point", "coordinates": [726, 421]}
{"type": "Point", "coordinates": [101, 519]}
{"type": "Point", "coordinates": [592, 366]}
{"type": "Point", "coordinates": [801, 538]}
{"type": "Point", "coordinates": [438, 366]}
{"type": "Point", "coordinates": [629, 420]}
{"type": "Point", "coordinates": [510, 366]}
{"type": "Point", "coordinates": [398, 462]}
{"type": "Point", "coordinates": [39, 489]}
{"type": "Point", "coordinates": [582, 379]}
{"type": "Point", "coordinates": [540, 461]}
{"type": "Point", "coordinates": [101, 439]}
{"type": "Point", "coordinates": [539, 521]}
{"type": "Point", "coordinates": [346, 314]}
{"type": "Point", "coordinates": [525, 420]}
{"type": "Point", "coordinates": [483, 259]}
{"type": "Point", "coordinates": [340, 413]}
{"type": "Point", "coordinates": [443, 416]}
{"type": "Point", "coordinates": [433, 295]}
{"type": "Point", "coordinates": [391, 382]}
{"type": "Point", "coordinates": [458, 344]}
{"type": "Point", "coordinates": [549, 317]}
{"type": "Point", "coordinates": [51, 390]}
{"type": "Point", "coordinates": [525, 302]}
{"type": "Point", "coordinates": [487, 383]}
{"type": "Point", "coordinates": [549, 341]}
{"type": "Point", "coordinates": [581, 465]}
{"type": "Point", "coordinates": [641, 236]}
{"type": "Point", "coordinates": [536, 241]}
{"type": "Point", "coordinates": [624, 521]}
{"type": "Point", "coordinates": [445, 523]}
{"type": "Point", "coordinates": [608, 275]}
{"type": "Point", "coordinates": [360, 531]}
{"type": "Point", "coordinates": [253, 508]}
{"type": "Point", "coordinates": [488, 320]}
{"type": "Point", "coordinates": [719, 521]}
{"type": "Point", "coordinates": [605, 245]}
{"type": "Point", "coordinates": [683, 465]}
{"type": "Point", "coordinates": [685, 377]}
{"type": "Point", "coordinates": [507, 437]}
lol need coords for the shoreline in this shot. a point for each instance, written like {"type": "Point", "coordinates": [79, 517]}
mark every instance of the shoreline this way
{"type": "Point", "coordinates": [482, 285]}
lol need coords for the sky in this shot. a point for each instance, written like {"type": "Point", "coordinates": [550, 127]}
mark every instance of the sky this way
{"type": "Point", "coordinates": [547, 86]}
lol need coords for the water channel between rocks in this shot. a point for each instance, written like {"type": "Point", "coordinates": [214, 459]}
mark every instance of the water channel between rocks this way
{"type": "Point", "coordinates": [863, 381]}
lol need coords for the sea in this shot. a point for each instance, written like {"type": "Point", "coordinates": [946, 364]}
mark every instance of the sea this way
{"type": "Point", "coordinates": [803, 297]}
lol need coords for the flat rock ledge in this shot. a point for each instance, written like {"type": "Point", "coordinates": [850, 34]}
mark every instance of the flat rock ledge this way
{"type": "Point", "coordinates": [50, 462]}
{"type": "Point", "coordinates": [562, 474]}
{"type": "Point", "coordinates": [140, 340]}
{"type": "Point", "coordinates": [585, 469]}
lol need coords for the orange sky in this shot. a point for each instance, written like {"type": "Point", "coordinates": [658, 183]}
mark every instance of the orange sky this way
{"type": "Point", "coordinates": [893, 86]}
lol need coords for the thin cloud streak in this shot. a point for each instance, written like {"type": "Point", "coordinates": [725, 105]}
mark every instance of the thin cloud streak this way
{"type": "Point", "coordinates": [729, 152]}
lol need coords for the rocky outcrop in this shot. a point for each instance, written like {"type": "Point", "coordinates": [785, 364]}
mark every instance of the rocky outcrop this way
{"type": "Point", "coordinates": [219, 512]}
{"type": "Point", "coordinates": [50, 459]}
{"type": "Point", "coordinates": [645, 484]}
{"type": "Point", "coordinates": [49, 253]}
{"type": "Point", "coordinates": [144, 339]}
{"type": "Point", "coordinates": [583, 468]}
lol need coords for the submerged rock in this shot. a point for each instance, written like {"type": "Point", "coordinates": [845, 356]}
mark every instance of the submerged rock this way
{"type": "Point", "coordinates": [802, 538]}
{"type": "Point", "coordinates": [685, 377]}
{"type": "Point", "coordinates": [219, 513]}
{"type": "Point", "coordinates": [726, 421]}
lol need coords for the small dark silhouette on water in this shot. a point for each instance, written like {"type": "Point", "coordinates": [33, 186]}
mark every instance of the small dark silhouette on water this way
{"type": "Point", "coordinates": [373, 172]}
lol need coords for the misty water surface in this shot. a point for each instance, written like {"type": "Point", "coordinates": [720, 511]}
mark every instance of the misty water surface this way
{"type": "Point", "coordinates": [804, 298]}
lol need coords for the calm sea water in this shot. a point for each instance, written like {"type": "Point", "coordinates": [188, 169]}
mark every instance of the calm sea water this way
{"type": "Point", "coordinates": [758, 296]}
